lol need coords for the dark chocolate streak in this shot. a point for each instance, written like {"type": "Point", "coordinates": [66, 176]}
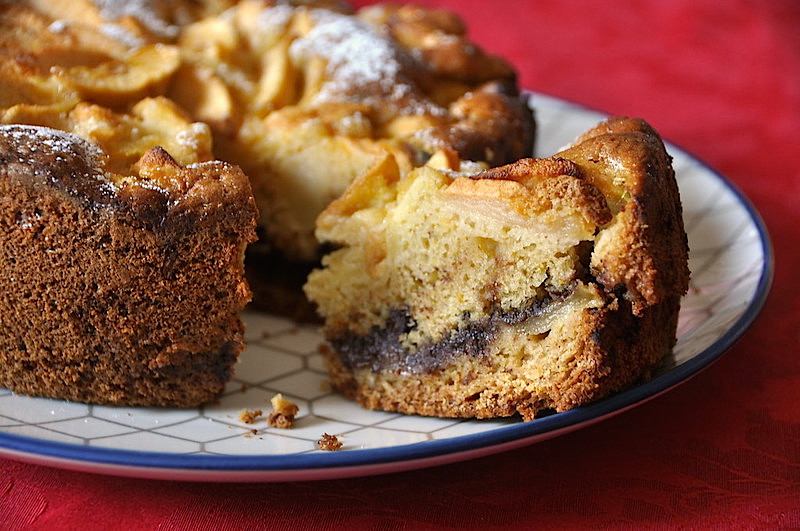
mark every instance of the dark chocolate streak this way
{"type": "Point", "coordinates": [381, 349]}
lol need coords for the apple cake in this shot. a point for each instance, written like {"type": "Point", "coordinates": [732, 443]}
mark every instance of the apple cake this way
{"type": "Point", "coordinates": [527, 288]}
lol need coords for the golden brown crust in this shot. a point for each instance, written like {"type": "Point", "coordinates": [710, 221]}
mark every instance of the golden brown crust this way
{"type": "Point", "coordinates": [488, 120]}
{"type": "Point", "coordinates": [552, 182]}
{"type": "Point", "coordinates": [488, 124]}
{"type": "Point", "coordinates": [439, 37]}
{"type": "Point", "coordinates": [647, 250]}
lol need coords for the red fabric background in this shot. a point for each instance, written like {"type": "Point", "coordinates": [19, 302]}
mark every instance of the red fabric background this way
{"type": "Point", "coordinates": [721, 79]}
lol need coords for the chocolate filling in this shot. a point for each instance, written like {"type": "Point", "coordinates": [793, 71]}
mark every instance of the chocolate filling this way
{"type": "Point", "coordinates": [382, 348]}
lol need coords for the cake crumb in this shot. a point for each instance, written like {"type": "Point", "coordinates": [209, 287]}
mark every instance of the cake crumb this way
{"type": "Point", "coordinates": [329, 443]}
{"type": "Point", "coordinates": [249, 416]}
{"type": "Point", "coordinates": [283, 413]}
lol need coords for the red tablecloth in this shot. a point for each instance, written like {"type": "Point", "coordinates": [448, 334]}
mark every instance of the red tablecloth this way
{"type": "Point", "coordinates": [721, 79]}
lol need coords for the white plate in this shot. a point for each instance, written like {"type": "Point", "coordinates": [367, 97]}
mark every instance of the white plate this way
{"type": "Point", "coordinates": [731, 265]}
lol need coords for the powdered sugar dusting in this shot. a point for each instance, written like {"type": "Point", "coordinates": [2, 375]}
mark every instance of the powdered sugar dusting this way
{"type": "Point", "coordinates": [119, 33]}
{"type": "Point", "coordinates": [361, 63]}
{"type": "Point", "coordinates": [142, 10]}
{"type": "Point", "coordinates": [58, 26]}
{"type": "Point", "coordinates": [428, 140]}
{"type": "Point", "coordinates": [32, 142]}
{"type": "Point", "coordinates": [274, 20]}
{"type": "Point", "coordinates": [192, 137]}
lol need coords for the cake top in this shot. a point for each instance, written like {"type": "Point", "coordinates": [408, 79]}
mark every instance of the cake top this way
{"type": "Point", "coordinates": [218, 62]}
{"type": "Point", "coordinates": [57, 157]}
{"type": "Point", "coordinates": [155, 197]}
{"type": "Point", "coordinates": [361, 64]}
{"type": "Point", "coordinates": [219, 79]}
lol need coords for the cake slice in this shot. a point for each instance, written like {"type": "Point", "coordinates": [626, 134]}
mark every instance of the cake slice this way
{"type": "Point", "coordinates": [118, 289]}
{"type": "Point", "coordinates": [121, 239]}
{"type": "Point", "coordinates": [533, 287]}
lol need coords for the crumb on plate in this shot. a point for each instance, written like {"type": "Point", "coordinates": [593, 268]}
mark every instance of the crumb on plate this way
{"type": "Point", "coordinates": [283, 412]}
{"type": "Point", "coordinates": [249, 416]}
{"type": "Point", "coordinates": [329, 443]}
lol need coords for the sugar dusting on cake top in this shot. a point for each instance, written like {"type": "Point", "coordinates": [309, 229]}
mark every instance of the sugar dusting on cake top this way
{"type": "Point", "coordinates": [273, 20]}
{"type": "Point", "coordinates": [362, 64]}
{"type": "Point", "coordinates": [142, 10]}
{"type": "Point", "coordinates": [59, 157]}
{"type": "Point", "coordinates": [31, 143]}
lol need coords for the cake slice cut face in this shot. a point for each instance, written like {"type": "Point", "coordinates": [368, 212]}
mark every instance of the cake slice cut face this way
{"type": "Point", "coordinates": [537, 286]}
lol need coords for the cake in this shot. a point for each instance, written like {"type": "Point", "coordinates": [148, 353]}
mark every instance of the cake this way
{"type": "Point", "coordinates": [527, 288]}
{"type": "Point", "coordinates": [145, 146]}
{"type": "Point", "coordinates": [303, 96]}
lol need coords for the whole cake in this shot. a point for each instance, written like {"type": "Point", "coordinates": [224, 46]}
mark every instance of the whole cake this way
{"type": "Point", "coordinates": [527, 288]}
{"type": "Point", "coordinates": [123, 234]}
